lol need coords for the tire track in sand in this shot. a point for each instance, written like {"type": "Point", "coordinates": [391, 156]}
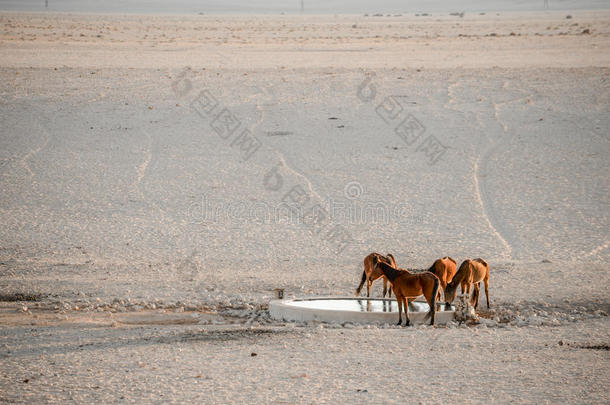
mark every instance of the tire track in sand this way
{"type": "Point", "coordinates": [33, 152]}
{"type": "Point", "coordinates": [480, 169]}
{"type": "Point", "coordinates": [602, 247]}
{"type": "Point", "coordinates": [486, 208]}
{"type": "Point", "coordinates": [481, 173]}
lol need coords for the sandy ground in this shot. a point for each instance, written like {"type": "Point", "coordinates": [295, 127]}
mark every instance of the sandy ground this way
{"type": "Point", "coordinates": [147, 238]}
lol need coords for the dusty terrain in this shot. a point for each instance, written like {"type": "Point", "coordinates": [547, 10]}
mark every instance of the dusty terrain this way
{"type": "Point", "coordinates": [146, 241]}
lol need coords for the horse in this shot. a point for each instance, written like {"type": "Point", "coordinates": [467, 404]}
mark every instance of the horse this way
{"type": "Point", "coordinates": [409, 285]}
{"type": "Point", "coordinates": [470, 272]}
{"type": "Point", "coordinates": [369, 263]}
{"type": "Point", "coordinates": [445, 269]}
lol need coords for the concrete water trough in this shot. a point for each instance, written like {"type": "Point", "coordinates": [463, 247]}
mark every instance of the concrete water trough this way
{"type": "Point", "coordinates": [355, 310]}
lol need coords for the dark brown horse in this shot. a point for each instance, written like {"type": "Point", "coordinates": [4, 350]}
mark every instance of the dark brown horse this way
{"type": "Point", "coordinates": [444, 268]}
{"type": "Point", "coordinates": [470, 272]}
{"type": "Point", "coordinates": [409, 285]}
{"type": "Point", "coordinates": [369, 263]}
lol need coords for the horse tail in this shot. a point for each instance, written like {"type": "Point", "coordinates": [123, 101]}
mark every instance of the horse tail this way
{"type": "Point", "coordinates": [464, 265]}
{"type": "Point", "coordinates": [432, 311]}
{"type": "Point", "coordinates": [361, 283]}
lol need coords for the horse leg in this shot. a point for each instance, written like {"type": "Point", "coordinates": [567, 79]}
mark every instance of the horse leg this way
{"type": "Point", "coordinates": [385, 287]}
{"type": "Point", "coordinates": [369, 283]}
{"type": "Point", "coordinates": [447, 305]}
{"type": "Point", "coordinates": [474, 299]}
{"type": "Point", "coordinates": [440, 297]}
{"type": "Point", "coordinates": [399, 301]}
{"type": "Point", "coordinates": [409, 302]}
{"type": "Point", "coordinates": [486, 283]}
{"type": "Point", "coordinates": [408, 322]}
{"type": "Point", "coordinates": [472, 295]}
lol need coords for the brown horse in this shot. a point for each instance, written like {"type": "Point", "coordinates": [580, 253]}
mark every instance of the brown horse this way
{"type": "Point", "coordinates": [470, 272]}
{"type": "Point", "coordinates": [444, 269]}
{"type": "Point", "coordinates": [409, 285]}
{"type": "Point", "coordinates": [369, 263]}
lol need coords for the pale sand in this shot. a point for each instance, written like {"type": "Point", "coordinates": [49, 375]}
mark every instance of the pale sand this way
{"type": "Point", "coordinates": [105, 170]}
{"type": "Point", "coordinates": [540, 40]}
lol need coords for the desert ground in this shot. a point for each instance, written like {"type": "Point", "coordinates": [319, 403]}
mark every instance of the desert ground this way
{"type": "Point", "coordinates": [157, 174]}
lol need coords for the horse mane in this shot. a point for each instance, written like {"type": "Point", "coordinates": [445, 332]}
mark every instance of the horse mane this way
{"type": "Point", "coordinates": [390, 272]}
{"type": "Point", "coordinates": [450, 258]}
{"type": "Point", "coordinates": [459, 274]}
{"type": "Point", "coordinates": [464, 265]}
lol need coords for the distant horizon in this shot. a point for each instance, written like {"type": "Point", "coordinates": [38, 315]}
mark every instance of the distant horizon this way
{"type": "Point", "coordinates": [293, 7]}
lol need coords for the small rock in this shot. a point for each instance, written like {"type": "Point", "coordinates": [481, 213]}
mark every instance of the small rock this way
{"type": "Point", "coordinates": [253, 354]}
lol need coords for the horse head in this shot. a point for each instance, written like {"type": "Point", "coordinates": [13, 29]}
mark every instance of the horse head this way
{"type": "Point", "coordinates": [376, 272]}
{"type": "Point", "coordinates": [450, 291]}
